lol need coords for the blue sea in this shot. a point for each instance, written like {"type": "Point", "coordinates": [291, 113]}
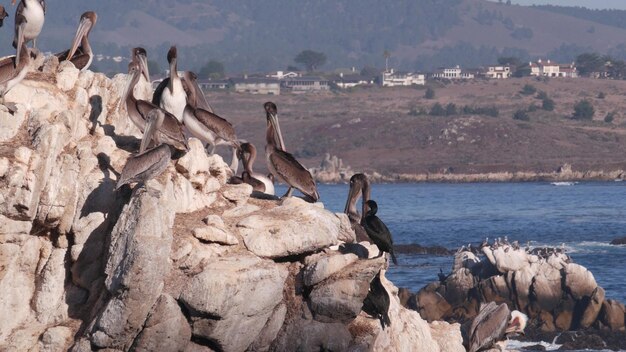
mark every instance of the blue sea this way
{"type": "Point", "coordinates": [584, 217]}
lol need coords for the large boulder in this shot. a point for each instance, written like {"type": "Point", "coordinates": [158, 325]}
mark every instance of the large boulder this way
{"type": "Point", "coordinates": [293, 228]}
{"type": "Point", "coordinates": [231, 301]}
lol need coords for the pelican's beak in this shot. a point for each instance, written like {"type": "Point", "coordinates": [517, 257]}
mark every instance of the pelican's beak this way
{"type": "Point", "coordinates": [273, 119]}
{"type": "Point", "coordinates": [143, 65]}
{"type": "Point", "coordinates": [20, 43]}
{"type": "Point", "coordinates": [81, 32]}
{"type": "Point", "coordinates": [129, 82]}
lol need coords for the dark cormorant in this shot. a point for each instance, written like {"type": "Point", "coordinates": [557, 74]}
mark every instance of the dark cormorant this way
{"type": "Point", "coordinates": [376, 303]}
{"type": "Point", "coordinates": [378, 231]}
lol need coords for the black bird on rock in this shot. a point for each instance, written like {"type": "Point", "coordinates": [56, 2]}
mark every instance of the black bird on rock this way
{"type": "Point", "coordinates": [377, 301]}
{"type": "Point", "coordinates": [378, 231]}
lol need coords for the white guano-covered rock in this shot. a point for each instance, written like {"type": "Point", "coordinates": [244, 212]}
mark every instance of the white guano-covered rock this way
{"type": "Point", "coordinates": [293, 228]}
{"type": "Point", "coordinates": [579, 281]}
{"type": "Point", "coordinates": [67, 75]}
{"type": "Point", "coordinates": [325, 266]}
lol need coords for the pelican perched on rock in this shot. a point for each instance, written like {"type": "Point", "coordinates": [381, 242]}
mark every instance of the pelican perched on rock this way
{"type": "Point", "coordinates": [359, 187]}
{"type": "Point", "coordinates": [34, 11]}
{"type": "Point", "coordinates": [13, 69]}
{"type": "Point", "coordinates": [492, 325]}
{"type": "Point", "coordinates": [211, 129]}
{"type": "Point", "coordinates": [377, 302]}
{"type": "Point", "coordinates": [259, 182]}
{"type": "Point", "coordinates": [170, 94]}
{"type": "Point", "coordinates": [3, 15]}
{"type": "Point", "coordinates": [80, 53]}
{"type": "Point", "coordinates": [148, 163]}
{"type": "Point", "coordinates": [170, 130]}
{"type": "Point", "coordinates": [377, 230]}
{"type": "Point", "coordinates": [195, 95]}
{"type": "Point", "coordinates": [282, 164]}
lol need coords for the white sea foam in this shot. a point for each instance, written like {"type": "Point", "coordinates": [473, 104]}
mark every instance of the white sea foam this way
{"type": "Point", "coordinates": [563, 183]}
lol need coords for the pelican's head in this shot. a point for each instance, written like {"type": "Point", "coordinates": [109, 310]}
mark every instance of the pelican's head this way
{"type": "Point", "coordinates": [271, 113]}
{"type": "Point", "coordinates": [172, 55]}
{"type": "Point", "coordinates": [358, 182]}
{"type": "Point", "coordinates": [133, 76]}
{"type": "Point", "coordinates": [517, 324]}
{"type": "Point", "coordinates": [87, 21]}
{"type": "Point", "coordinates": [141, 56]}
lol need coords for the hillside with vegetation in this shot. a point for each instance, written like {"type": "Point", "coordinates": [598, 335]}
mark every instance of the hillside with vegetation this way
{"type": "Point", "coordinates": [251, 36]}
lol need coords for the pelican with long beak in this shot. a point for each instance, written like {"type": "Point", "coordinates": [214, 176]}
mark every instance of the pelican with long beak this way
{"type": "Point", "coordinates": [282, 164]}
{"type": "Point", "coordinates": [211, 129]}
{"type": "Point", "coordinates": [34, 11]}
{"type": "Point", "coordinates": [170, 131]}
{"type": "Point", "coordinates": [259, 182]}
{"type": "Point", "coordinates": [13, 69]}
{"type": "Point", "coordinates": [170, 94]}
{"type": "Point", "coordinates": [148, 163]}
{"type": "Point", "coordinates": [80, 53]}
{"type": "Point", "coordinates": [493, 324]}
{"type": "Point", "coordinates": [195, 95]}
{"type": "Point", "coordinates": [359, 187]}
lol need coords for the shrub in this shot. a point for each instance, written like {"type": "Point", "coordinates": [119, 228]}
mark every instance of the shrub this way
{"type": "Point", "coordinates": [451, 109]}
{"type": "Point", "coordinates": [521, 115]}
{"type": "Point", "coordinates": [610, 116]}
{"type": "Point", "coordinates": [430, 93]}
{"type": "Point", "coordinates": [533, 108]}
{"type": "Point", "coordinates": [601, 95]}
{"type": "Point", "coordinates": [583, 110]}
{"type": "Point", "coordinates": [483, 110]}
{"type": "Point", "coordinates": [437, 110]}
{"type": "Point", "coordinates": [528, 89]}
{"type": "Point", "coordinates": [547, 104]}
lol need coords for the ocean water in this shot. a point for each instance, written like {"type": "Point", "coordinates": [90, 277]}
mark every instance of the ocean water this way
{"type": "Point", "coordinates": [583, 217]}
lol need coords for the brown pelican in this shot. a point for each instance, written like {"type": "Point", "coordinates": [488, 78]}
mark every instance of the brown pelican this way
{"type": "Point", "coordinates": [170, 94]}
{"type": "Point", "coordinates": [282, 164]}
{"type": "Point", "coordinates": [211, 129]}
{"type": "Point", "coordinates": [195, 95]}
{"type": "Point", "coordinates": [377, 302]}
{"type": "Point", "coordinates": [259, 182]}
{"type": "Point", "coordinates": [34, 11]}
{"type": "Point", "coordinates": [492, 325]}
{"type": "Point", "coordinates": [150, 163]}
{"type": "Point", "coordinates": [80, 53]}
{"type": "Point", "coordinates": [359, 186]}
{"type": "Point", "coordinates": [13, 69]}
{"type": "Point", "coordinates": [3, 15]}
{"type": "Point", "coordinates": [170, 130]}
{"type": "Point", "coordinates": [377, 230]}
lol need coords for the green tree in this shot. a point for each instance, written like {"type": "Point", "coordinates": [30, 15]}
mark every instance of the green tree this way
{"type": "Point", "coordinates": [310, 59]}
{"type": "Point", "coordinates": [430, 93]}
{"type": "Point", "coordinates": [547, 104]}
{"type": "Point", "coordinates": [521, 115]}
{"type": "Point", "coordinates": [528, 89]}
{"type": "Point", "coordinates": [437, 110]}
{"type": "Point", "coordinates": [589, 62]}
{"type": "Point", "coordinates": [583, 110]}
{"type": "Point", "coordinates": [212, 69]}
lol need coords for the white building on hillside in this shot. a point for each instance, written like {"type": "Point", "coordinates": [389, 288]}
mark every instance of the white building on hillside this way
{"type": "Point", "coordinates": [551, 69]}
{"type": "Point", "coordinates": [395, 79]}
{"type": "Point", "coordinates": [498, 72]}
{"type": "Point", "coordinates": [452, 73]}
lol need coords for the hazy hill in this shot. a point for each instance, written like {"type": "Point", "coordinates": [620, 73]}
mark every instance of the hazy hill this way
{"type": "Point", "coordinates": [251, 35]}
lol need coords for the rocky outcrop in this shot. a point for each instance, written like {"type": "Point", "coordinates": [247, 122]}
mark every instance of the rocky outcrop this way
{"type": "Point", "coordinates": [184, 263]}
{"type": "Point", "coordinates": [556, 294]}
{"type": "Point", "coordinates": [619, 241]}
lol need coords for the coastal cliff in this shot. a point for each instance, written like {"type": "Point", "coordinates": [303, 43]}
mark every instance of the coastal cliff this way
{"type": "Point", "coordinates": [188, 263]}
